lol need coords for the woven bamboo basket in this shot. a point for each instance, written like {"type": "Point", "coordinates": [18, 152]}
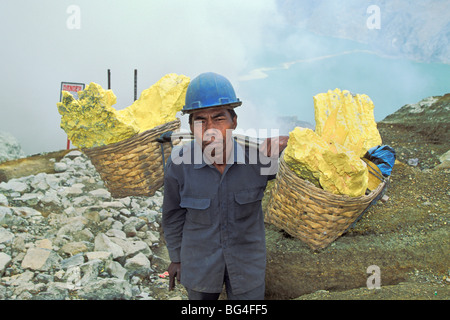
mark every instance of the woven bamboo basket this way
{"type": "Point", "coordinates": [134, 166]}
{"type": "Point", "coordinates": [311, 214]}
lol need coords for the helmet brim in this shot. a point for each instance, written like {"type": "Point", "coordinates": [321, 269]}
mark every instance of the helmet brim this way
{"type": "Point", "coordinates": [225, 106]}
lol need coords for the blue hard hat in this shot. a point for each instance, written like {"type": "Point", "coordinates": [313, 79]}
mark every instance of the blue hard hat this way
{"type": "Point", "coordinates": [210, 90]}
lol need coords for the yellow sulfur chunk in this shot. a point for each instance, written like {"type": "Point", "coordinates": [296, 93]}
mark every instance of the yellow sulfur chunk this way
{"type": "Point", "coordinates": [330, 166]}
{"type": "Point", "coordinates": [304, 152]}
{"type": "Point", "coordinates": [91, 120]}
{"type": "Point", "coordinates": [158, 104]}
{"type": "Point", "coordinates": [346, 119]}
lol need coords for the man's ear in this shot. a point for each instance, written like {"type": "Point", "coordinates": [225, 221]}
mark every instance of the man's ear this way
{"type": "Point", "coordinates": [234, 122]}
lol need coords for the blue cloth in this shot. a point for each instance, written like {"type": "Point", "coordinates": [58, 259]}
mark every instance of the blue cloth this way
{"type": "Point", "coordinates": [213, 221]}
{"type": "Point", "coordinates": [384, 157]}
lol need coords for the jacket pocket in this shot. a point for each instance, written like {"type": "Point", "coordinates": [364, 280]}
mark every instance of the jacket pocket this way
{"type": "Point", "coordinates": [197, 210]}
{"type": "Point", "coordinates": [248, 202]}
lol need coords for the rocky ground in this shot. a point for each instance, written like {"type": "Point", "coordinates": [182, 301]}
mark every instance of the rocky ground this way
{"type": "Point", "coordinates": [62, 236]}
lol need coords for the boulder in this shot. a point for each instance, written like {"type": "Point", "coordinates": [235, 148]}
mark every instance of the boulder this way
{"type": "Point", "coordinates": [10, 148]}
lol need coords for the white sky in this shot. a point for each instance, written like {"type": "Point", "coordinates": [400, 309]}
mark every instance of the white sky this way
{"type": "Point", "coordinates": [156, 37]}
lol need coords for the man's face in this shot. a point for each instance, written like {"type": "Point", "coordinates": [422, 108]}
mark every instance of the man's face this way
{"type": "Point", "coordinates": [210, 126]}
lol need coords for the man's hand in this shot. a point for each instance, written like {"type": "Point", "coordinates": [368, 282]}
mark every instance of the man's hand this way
{"type": "Point", "coordinates": [174, 271]}
{"type": "Point", "coordinates": [272, 147]}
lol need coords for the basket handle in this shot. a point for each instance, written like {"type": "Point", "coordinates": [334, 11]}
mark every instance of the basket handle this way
{"type": "Point", "coordinates": [165, 137]}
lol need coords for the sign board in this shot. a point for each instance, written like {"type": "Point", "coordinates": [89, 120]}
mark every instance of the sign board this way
{"type": "Point", "coordinates": [72, 88]}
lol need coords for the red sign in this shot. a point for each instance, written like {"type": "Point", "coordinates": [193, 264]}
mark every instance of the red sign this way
{"type": "Point", "coordinates": [73, 88]}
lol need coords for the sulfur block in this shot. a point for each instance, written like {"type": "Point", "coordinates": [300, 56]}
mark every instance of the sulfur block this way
{"type": "Point", "coordinates": [304, 153]}
{"type": "Point", "coordinates": [329, 166]}
{"type": "Point", "coordinates": [91, 120]}
{"type": "Point", "coordinates": [158, 104]}
{"type": "Point", "coordinates": [346, 119]}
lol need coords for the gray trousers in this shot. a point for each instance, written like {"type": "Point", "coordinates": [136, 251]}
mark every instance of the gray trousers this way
{"type": "Point", "coordinates": [255, 294]}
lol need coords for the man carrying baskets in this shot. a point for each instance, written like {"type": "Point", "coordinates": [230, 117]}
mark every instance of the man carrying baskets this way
{"type": "Point", "coordinates": [212, 216]}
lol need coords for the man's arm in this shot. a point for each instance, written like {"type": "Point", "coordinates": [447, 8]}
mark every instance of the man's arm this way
{"type": "Point", "coordinates": [173, 216]}
{"type": "Point", "coordinates": [272, 147]}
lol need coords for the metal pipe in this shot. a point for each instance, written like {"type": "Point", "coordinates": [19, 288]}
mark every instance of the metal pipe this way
{"type": "Point", "coordinates": [135, 84]}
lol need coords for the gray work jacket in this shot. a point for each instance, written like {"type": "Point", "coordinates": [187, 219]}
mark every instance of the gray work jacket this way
{"type": "Point", "coordinates": [212, 220]}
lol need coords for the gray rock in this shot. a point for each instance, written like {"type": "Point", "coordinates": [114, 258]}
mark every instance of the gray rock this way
{"type": "Point", "coordinates": [29, 199]}
{"type": "Point", "coordinates": [126, 201]}
{"type": "Point", "coordinates": [413, 162]}
{"type": "Point", "coordinates": [92, 214]}
{"type": "Point", "coordinates": [132, 225]}
{"type": "Point", "coordinates": [3, 293]}
{"type": "Point", "coordinates": [112, 204]}
{"type": "Point", "coordinates": [60, 167]}
{"type": "Point", "coordinates": [99, 255]}
{"type": "Point", "coordinates": [40, 259]}
{"type": "Point", "coordinates": [139, 266]}
{"type": "Point", "coordinates": [5, 236]}
{"type": "Point", "coordinates": [39, 183]}
{"type": "Point", "coordinates": [3, 200]}
{"type": "Point", "coordinates": [51, 197]}
{"type": "Point", "coordinates": [445, 156]}
{"type": "Point", "coordinates": [71, 262]}
{"type": "Point", "coordinates": [6, 216]}
{"type": "Point", "coordinates": [72, 191]}
{"type": "Point", "coordinates": [52, 181]}
{"type": "Point", "coordinates": [72, 227]}
{"type": "Point", "coordinates": [131, 247]}
{"type": "Point", "coordinates": [74, 154]}
{"type": "Point", "coordinates": [83, 201]}
{"type": "Point", "coordinates": [90, 270]}
{"type": "Point", "coordinates": [73, 248]}
{"type": "Point", "coordinates": [125, 212]}
{"type": "Point", "coordinates": [44, 278]}
{"type": "Point", "coordinates": [55, 291]}
{"type": "Point", "coordinates": [116, 270]}
{"type": "Point", "coordinates": [83, 235]}
{"type": "Point", "coordinates": [116, 233]}
{"type": "Point", "coordinates": [10, 148]}
{"type": "Point", "coordinates": [103, 243]}
{"type": "Point", "coordinates": [106, 289]}
{"type": "Point", "coordinates": [5, 260]}
{"type": "Point", "coordinates": [100, 194]}
{"type": "Point", "coordinates": [14, 186]}
{"type": "Point", "coordinates": [153, 236]}
{"type": "Point", "coordinates": [26, 212]}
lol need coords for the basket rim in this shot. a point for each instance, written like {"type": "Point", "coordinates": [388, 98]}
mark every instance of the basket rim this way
{"type": "Point", "coordinates": [145, 134]}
